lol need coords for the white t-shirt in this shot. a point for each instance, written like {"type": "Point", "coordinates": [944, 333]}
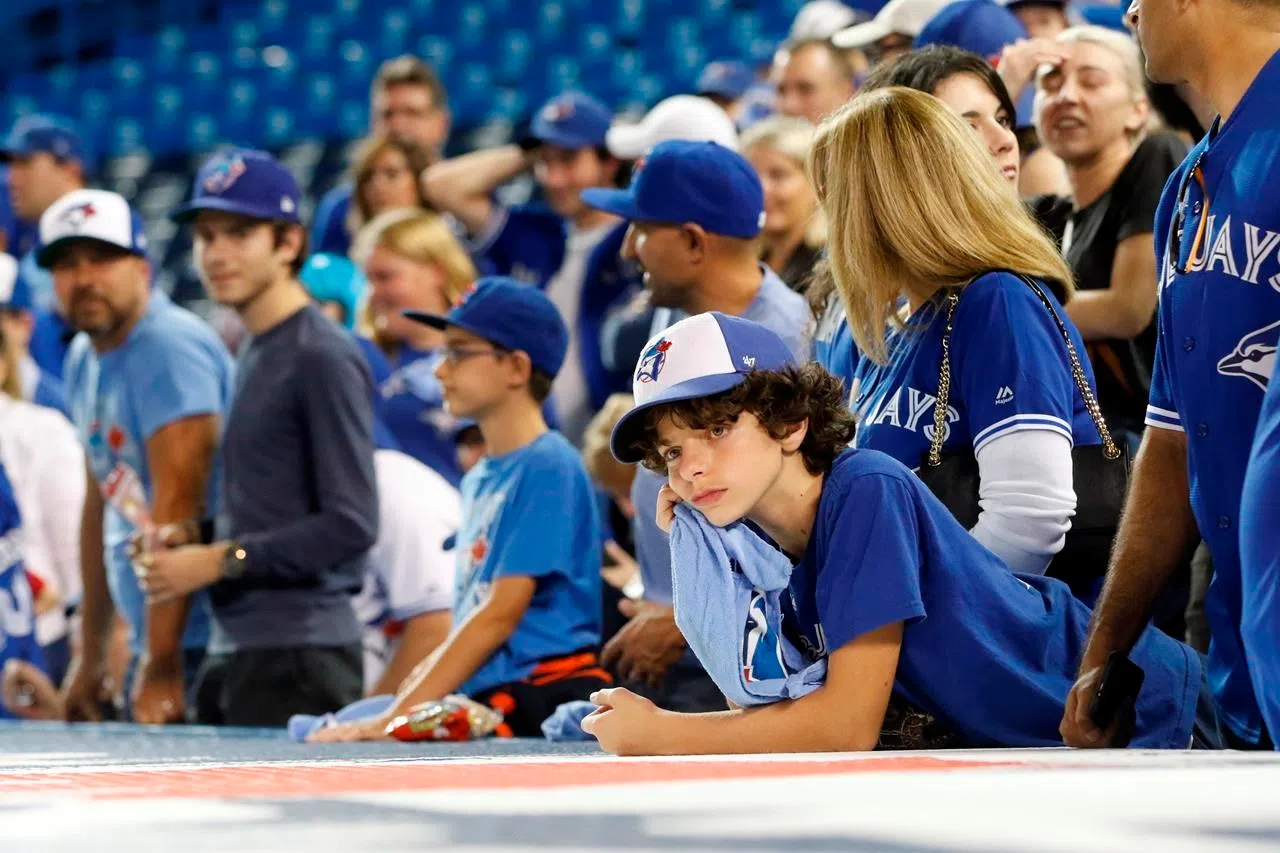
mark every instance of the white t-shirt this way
{"type": "Point", "coordinates": [408, 571]}
{"type": "Point", "coordinates": [45, 463]}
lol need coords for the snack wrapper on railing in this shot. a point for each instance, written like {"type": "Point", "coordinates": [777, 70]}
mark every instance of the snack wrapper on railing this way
{"type": "Point", "coordinates": [453, 718]}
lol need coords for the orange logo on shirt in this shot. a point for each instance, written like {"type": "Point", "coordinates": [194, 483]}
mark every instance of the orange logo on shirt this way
{"type": "Point", "coordinates": [479, 550]}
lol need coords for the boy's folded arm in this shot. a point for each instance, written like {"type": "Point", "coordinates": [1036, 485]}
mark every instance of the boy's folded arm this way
{"type": "Point", "coordinates": [844, 715]}
{"type": "Point", "coordinates": [469, 645]}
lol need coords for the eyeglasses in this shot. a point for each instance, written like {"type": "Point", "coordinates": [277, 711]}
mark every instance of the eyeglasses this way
{"type": "Point", "coordinates": [1173, 251]}
{"type": "Point", "coordinates": [454, 356]}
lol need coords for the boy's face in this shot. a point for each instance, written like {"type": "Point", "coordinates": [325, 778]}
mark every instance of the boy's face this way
{"type": "Point", "coordinates": [724, 471]}
{"type": "Point", "coordinates": [474, 374]}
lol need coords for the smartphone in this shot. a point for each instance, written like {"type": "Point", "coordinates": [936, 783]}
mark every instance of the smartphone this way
{"type": "Point", "coordinates": [1117, 696]}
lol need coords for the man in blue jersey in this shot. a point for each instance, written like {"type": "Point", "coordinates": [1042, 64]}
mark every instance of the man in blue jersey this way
{"type": "Point", "coordinates": [696, 210]}
{"type": "Point", "coordinates": [17, 321]}
{"type": "Point", "coordinates": [567, 248]}
{"type": "Point", "coordinates": [17, 604]}
{"type": "Point", "coordinates": [407, 101]}
{"type": "Point", "coordinates": [1217, 230]}
{"type": "Point", "coordinates": [148, 383]}
{"type": "Point", "coordinates": [1260, 561]}
{"type": "Point", "coordinates": [527, 604]}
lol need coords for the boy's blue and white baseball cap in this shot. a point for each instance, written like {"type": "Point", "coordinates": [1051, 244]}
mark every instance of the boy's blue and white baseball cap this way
{"type": "Point", "coordinates": [700, 356]}
{"type": "Point", "coordinates": [90, 215]}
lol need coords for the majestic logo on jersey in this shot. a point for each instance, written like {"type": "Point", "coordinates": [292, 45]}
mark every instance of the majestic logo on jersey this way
{"type": "Point", "coordinates": [222, 176]}
{"type": "Point", "coordinates": [76, 217]}
{"type": "Point", "coordinates": [1254, 357]}
{"type": "Point", "coordinates": [1004, 395]}
{"type": "Point", "coordinates": [761, 652]}
{"type": "Point", "coordinates": [652, 361]}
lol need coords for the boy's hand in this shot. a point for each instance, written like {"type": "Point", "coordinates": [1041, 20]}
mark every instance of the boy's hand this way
{"type": "Point", "coordinates": [647, 646]}
{"type": "Point", "coordinates": [374, 729]}
{"type": "Point", "coordinates": [624, 723]}
{"type": "Point", "coordinates": [667, 500]}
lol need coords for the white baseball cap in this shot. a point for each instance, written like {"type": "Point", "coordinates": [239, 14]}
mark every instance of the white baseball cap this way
{"type": "Point", "coordinates": [906, 17]}
{"type": "Point", "coordinates": [688, 118]}
{"type": "Point", "coordinates": [90, 215]}
{"type": "Point", "coordinates": [821, 19]}
{"type": "Point", "coordinates": [8, 277]}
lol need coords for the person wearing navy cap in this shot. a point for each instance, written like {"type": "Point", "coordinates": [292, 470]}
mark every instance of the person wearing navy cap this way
{"type": "Point", "coordinates": [17, 319]}
{"type": "Point", "coordinates": [696, 211]}
{"type": "Point", "coordinates": [46, 158]}
{"type": "Point", "coordinates": [1043, 19]}
{"type": "Point", "coordinates": [300, 507]}
{"type": "Point", "coordinates": [527, 610]}
{"type": "Point", "coordinates": [1217, 228]}
{"type": "Point", "coordinates": [563, 246]}
{"type": "Point", "coordinates": [726, 83]}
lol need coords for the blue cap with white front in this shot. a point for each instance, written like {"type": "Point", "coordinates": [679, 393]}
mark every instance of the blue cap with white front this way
{"type": "Point", "coordinates": [244, 182]}
{"type": "Point", "coordinates": [98, 215]}
{"type": "Point", "coordinates": [512, 315]}
{"type": "Point", "coordinates": [700, 356]}
{"type": "Point", "coordinates": [571, 120]}
{"type": "Point", "coordinates": [699, 182]}
{"type": "Point", "coordinates": [53, 135]}
{"type": "Point", "coordinates": [725, 79]}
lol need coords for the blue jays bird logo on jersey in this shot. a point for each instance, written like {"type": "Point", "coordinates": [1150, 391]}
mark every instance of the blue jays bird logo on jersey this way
{"type": "Point", "coordinates": [76, 217]}
{"type": "Point", "coordinates": [761, 652]}
{"type": "Point", "coordinates": [1254, 357]}
{"type": "Point", "coordinates": [652, 361]}
{"type": "Point", "coordinates": [223, 175]}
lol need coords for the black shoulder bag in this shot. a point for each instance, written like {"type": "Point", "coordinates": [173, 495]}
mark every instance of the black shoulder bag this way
{"type": "Point", "coordinates": [1100, 471]}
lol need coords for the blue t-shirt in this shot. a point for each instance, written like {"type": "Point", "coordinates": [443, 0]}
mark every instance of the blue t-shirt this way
{"type": "Point", "coordinates": [833, 343]}
{"type": "Point", "coordinates": [988, 651]}
{"type": "Point", "coordinates": [1260, 561]}
{"type": "Point", "coordinates": [1216, 350]}
{"type": "Point", "coordinates": [412, 405]}
{"type": "Point", "coordinates": [17, 605]}
{"type": "Point", "coordinates": [171, 366]}
{"type": "Point", "coordinates": [1009, 372]}
{"type": "Point", "coordinates": [531, 513]}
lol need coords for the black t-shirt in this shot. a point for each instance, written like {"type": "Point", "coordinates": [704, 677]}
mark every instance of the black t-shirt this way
{"type": "Point", "coordinates": [1123, 367]}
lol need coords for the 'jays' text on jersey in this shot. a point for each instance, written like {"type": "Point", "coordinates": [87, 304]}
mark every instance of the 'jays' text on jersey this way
{"type": "Point", "coordinates": [1010, 371]}
{"type": "Point", "coordinates": [17, 604]}
{"type": "Point", "coordinates": [171, 366]}
{"type": "Point", "coordinates": [989, 652]}
{"type": "Point", "coordinates": [1216, 351]}
{"type": "Point", "coordinates": [531, 513]}
{"type": "Point", "coordinates": [1260, 561]}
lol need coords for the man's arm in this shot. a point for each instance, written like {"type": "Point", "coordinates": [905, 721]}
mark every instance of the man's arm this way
{"type": "Point", "coordinates": [462, 185]}
{"type": "Point", "coordinates": [421, 636]}
{"type": "Point", "coordinates": [1125, 308]}
{"type": "Point", "coordinates": [84, 681]}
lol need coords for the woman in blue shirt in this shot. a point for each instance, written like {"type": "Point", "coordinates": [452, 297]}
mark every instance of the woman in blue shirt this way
{"type": "Point", "coordinates": [926, 243]}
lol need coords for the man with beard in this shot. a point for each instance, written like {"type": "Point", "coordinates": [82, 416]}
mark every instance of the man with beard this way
{"type": "Point", "coordinates": [147, 386]}
{"type": "Point", "coordinates": [300, 506]}
{"type": "Point", "coordinates": [696, 211]}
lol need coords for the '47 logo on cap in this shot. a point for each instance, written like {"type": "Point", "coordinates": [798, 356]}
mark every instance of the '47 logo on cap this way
{"type": "Point", "coordinates": [652, 361]}
{"type": "Point", "coordinates": [223, 175]}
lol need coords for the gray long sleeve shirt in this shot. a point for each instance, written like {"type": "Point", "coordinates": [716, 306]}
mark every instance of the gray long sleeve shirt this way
{"type": "Point", "coordinates": [300, 494]}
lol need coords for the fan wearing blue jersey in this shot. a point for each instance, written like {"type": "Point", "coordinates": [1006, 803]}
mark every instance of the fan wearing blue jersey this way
{"type": "Point", "coordinates": [1260, 561]}
{"type": "Point", "coordinates": [17, 320]}
{"type": "Point", "coordinates": [148, 383]}
{"type": "Point", "coordinates": [945, 261]}
{"type": "Point", "coordinates": [17, 606]}
{"type": "Point", "coordinates": [527, 603]}
{"type": "Point", "coordinates": [871, 595]}
{"type": "Point", "coordinates": [1217, 230]}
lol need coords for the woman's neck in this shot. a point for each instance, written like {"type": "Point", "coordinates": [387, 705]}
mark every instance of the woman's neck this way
{"type": "Point", "coordinates": [788, 509]}
{"type": "Point", "coordinates": [779, 248]}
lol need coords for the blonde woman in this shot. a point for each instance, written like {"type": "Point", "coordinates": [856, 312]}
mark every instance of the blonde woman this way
{"type": "Point", "coordinates": [385, 173]}
{"type": "Point", "coordinates": [917, 215]}
{"type": "Point", "coordinates": [413, 262]}
{"type": "Point", "coordinates": [794, 231]}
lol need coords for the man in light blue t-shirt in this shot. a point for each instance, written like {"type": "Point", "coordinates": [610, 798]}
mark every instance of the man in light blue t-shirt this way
{"type": "Point", "coordinates": [696, 210]}
{"type": "Point", "coordinates": [147, 385]}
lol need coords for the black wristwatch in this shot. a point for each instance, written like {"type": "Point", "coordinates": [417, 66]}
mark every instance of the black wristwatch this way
{"type": "Point", "coordinates": [234, 561]}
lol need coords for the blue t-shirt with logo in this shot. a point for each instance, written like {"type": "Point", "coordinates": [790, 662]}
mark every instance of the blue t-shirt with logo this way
{"type": "Point", "coordinates": [990, 652]}
{"type": "Point", "coordinates": [1009, 371]}
{"type": "Point", "coordinates": [17, 604]}
{"type": "Point", "coordinates": [531, 513]}
{"type": "Point", "coordinates": [171, 366]}
{"type": "Point", "coordinates": [1216, 350]}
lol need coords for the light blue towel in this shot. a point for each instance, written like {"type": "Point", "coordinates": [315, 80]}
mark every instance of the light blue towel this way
{"type": "Point", "coordinates": [727, 585]}
{"type": "Point", "coordinates": [565, 723]}
{"type": "Point", "coordinates": [302, 726]}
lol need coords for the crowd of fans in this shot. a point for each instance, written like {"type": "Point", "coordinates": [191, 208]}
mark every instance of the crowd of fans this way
{"type": "Point", "coordinates": [390, 472]}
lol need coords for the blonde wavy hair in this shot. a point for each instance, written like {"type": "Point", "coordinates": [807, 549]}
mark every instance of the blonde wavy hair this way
{"type": "Point", "coordinates": [914, 204]}
{"type": "Point", "coordinates": [792, 138]}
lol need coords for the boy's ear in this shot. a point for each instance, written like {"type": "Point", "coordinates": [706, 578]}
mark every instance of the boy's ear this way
{"type": "Point", "coordinates": [791, 444]}
{"type": "Point", "coordinates": [520, 366]}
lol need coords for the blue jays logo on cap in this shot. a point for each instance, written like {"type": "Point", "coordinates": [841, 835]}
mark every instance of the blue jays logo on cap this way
{"type": "Point", "coordinates": [76, 217]}
{"type": "Point", "coordinates": [557, 110]}
{"type": "Point", "coordinates": [223, 175]}
{"type": "Point", "coordinates": [652, 361]}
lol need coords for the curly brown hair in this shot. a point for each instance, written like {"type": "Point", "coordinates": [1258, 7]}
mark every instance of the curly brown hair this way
{"type": "Point", "coordinates": [781, 400]}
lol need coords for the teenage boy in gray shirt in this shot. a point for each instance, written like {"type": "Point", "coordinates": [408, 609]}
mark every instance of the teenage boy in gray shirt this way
{"type": "Point", "coordinates": [300, 499]}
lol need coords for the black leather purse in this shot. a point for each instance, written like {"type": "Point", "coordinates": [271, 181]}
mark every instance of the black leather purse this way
{"type": "Point", "coordinates": [1100, 471]}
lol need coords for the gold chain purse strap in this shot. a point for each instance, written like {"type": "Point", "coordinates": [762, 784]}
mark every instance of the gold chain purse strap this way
{"type": "Point", "coordinates": [1109, 448]}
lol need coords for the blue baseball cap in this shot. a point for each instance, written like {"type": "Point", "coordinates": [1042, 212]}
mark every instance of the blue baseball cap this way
{"type": "Point", "coordinates": [98, 215]}
{"type": "Point", "coordinates": [725, 79]}
{"type": "Point", "coordinates": [978, 26]}
{"type": "Point", "coordinates": [570, 120]}
{"type": "Point", "coordinates": [699, 182]}
{"type": "Point", "coordinates": [246, 182]}
{"type": "Point", "coordinates": [334, 278]}
{"type": "Point", "coordinates": [49, 134]}
{"type": "Point", "coordinates": [1111, 17]}
{"type": "Point", "coordinates": [512, 315]}
{"type": "Point", "coordinates": [700, 356]}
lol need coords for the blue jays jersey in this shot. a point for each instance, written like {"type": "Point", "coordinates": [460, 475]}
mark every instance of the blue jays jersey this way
{"type": "Point", "coordinates": [412, 406]}
{"type": "Point", "coordinates": [531, 513]}
{"type": "Point", "coordinates": [833, 342]}
{"type": "Point", "coordinates": [1010, 371]}
{"type": "Point", "coordinates": [1260, 561]}
{"type": "Point", "coordinates": [171, 366]}
{"type": "Point", "coordinates": [1219, 322]}
{"type": "Point", "coordinates": [17, 606]}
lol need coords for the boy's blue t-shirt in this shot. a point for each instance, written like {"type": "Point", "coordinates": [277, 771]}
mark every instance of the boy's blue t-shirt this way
{"type": "Point", "coordinates": [1010, 371]}
{"type": "Point", "coordinates": [17, 605]}
{"type": "Point", "coordinates": [532, 513]}
{"type": "Point", "coordinates": [171, 366]}
{"type": "Point", "coordinates": [990, 652]}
